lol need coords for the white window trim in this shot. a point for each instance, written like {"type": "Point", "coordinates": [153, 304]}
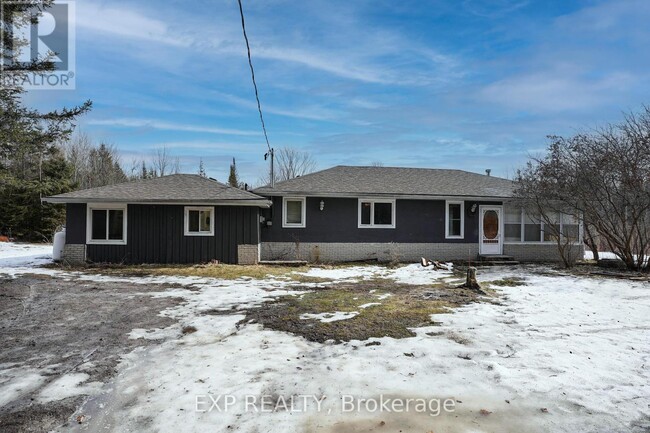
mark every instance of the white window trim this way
{"type": "Point", "coordinates": [300, 225]}
{"type": "Point", "coordinates": [462, 219]}
{"type": "Point", "coordinates": [186, 222]}
{"type": "Point", "coordinates": [372, 224]}
{"type": "Point", "coordinates": [89, 221]}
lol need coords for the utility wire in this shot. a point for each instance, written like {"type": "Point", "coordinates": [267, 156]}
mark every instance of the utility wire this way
{"type": "Point", "coordinates": [250, 63]}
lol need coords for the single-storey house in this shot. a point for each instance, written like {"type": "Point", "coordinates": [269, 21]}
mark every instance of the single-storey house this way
{"type": "Point", "coordinates": [181, 218]}
{"type": "Point", "coordinates": [340, 214]}
{"type": "Point", "coordinates": [387, 213]}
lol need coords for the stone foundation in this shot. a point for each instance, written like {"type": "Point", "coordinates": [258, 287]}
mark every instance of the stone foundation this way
{"type": "Point", "coordinates": [248, 254]}
{"type": "Point", "coordinates": [330, 252]}
{"type": "Point", "coordinates": [539, 252]}
{"type": "Point", "coordinates": [74, 254]}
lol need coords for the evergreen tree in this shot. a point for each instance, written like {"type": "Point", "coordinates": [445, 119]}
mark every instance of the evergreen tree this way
{"type": "Point", "coordinates": [31, 165]}
{"type": "Point", "coordinates": [103, 168]}
{"type": "Point", "coordinates": [233, 178]}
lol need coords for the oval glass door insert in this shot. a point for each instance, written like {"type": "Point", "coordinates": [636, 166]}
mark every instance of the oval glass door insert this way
{"type": "Point", "coordinates": [490, 224]}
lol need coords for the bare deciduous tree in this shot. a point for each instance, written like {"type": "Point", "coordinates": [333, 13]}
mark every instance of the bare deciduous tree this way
{"type": "Point", "coordinates": [76, 151]}
{"type": "Point", "coordinates": [93, 165]}
{"type": "Point", "coordinates": [162, 161]}
{"type": "Point", "coordinates": [537, 194]}
{"type": "Point", "coordinates": [289, 164]}
{"type": "Point", "coordinates": [603, 175]}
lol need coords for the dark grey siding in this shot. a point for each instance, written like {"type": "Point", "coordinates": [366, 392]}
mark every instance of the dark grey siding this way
{"type": "Point", "coordinates": [155, 234]}
{"type": "Point", "coordinates": [75, 223]}
{"type": "Point", "coordinates": [417, 221]}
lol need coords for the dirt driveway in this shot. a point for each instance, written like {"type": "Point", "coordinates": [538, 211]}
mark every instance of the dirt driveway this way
{"type": "Point", "coordinates": [53, 330]}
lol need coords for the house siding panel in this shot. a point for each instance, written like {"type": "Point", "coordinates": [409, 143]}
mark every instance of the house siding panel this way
{"type": "Point", "coordinates": [416, 221]}
{"type": "Point", "coordinates": [155, 234]}
{"type": "Point", "coordinates": [75, 223]}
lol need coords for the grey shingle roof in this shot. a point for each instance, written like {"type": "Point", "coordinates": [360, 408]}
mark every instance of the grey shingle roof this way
{"type": "Point", "coordinates": [393, 181]}
{"type": "Point", "coordinates": [176, 188]}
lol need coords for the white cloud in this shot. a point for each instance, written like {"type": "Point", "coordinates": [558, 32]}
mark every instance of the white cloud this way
{"type": "Point", "coordinates": [125, 23]}
{"type": "Point", "coordinates": [364, 60]}
{"type": "Point", "coordinates": [168, 126]}
{"type": "Point", "coordinates": [312, 112]}
{"type": "Point", "coordinates": [493, 8]}
{"type": "Point", "coordinates": [557, 91]}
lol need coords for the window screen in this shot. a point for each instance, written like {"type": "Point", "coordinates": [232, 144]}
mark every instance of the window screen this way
{"type": "Point", "coordinates": [198, 220]}
{"type": "Point", "coordinates": [455, 218]}
{"type": "Point", "coordinates": [551, 231]}
{"type": "Point", "coordinates": [115, 224]}
{"type": "Point", "coordinates": [532, 229]}
{"type": "Point", "coordinates": [294, 212]}
{"type": "Point", "coordinates": [383, 214]}
{"type": "Point", "coordinates": [366, 208]}
{"type": "Point", "coordinates": [193, 221]}
{"type": "Point", "coordinates": [570, 228]}
{"type": "Point", "coordinates": [512, 224]}
{"type": "Point", "coordinates": [98, 221]}
{"type": "Point", "coordinates": [204, 220]}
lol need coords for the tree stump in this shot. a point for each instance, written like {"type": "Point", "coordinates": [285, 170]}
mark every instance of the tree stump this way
{"type": "Point", "coordinates": [470, 281]}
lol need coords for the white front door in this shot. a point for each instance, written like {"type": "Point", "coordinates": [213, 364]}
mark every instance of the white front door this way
{"type": "Point", "coordinates": [490, 230]}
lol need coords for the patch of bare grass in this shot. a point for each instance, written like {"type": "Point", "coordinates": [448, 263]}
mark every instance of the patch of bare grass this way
{"type": "Point", "coordinates": [189, 330]}
{"type": "Point", "coordinates": [508, 282]}
{"type": "Point", "coordinates": [220, 271]}
{"type": "Point", "coordinates": [407, 307]}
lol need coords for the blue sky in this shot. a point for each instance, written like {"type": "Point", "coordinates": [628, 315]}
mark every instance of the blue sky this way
{"type": "Point", "coordinates": [443, 84]}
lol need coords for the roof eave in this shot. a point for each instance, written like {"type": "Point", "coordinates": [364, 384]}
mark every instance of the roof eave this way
{"type": "Point", "coordinates": [242, 202]}
{"type": "Point", "coordinates": [380, 195]}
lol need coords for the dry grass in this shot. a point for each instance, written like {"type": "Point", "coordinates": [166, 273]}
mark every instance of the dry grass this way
{"type": "Point", "coordinates": [406, 308]}
{"type": "Point", "coordinates": [220, 271]}
{"type": "Point", "coordinates": [189, 329]}
{"type": "Point", "coordinates": [507, 282]}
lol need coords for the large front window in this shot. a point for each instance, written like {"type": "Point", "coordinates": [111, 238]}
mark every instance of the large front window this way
{"type": "Point", "coordinates": [376, 213]}
{"type": "Point", "coordinates": [106, 224]}
{"type": "Point", "coordinates": [199, 221]}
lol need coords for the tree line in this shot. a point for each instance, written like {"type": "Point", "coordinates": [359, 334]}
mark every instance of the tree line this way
{"type": "Point", "coordinates": [29, 172]}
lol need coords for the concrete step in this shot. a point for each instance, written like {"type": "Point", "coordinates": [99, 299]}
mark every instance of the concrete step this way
{"type": "Point", "coordinates": [497, 263]}
{"type": "Point", "coordinates": [495, 260]}
{"type": "Point", "coordinates": [494, 257]}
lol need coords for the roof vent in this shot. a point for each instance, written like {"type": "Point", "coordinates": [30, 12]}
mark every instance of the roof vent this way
{"type": "Point", "coordinates": [488, 171]}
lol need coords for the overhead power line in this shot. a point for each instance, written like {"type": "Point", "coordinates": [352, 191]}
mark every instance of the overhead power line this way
{"type": "Point", "coordinates": [250, 63]}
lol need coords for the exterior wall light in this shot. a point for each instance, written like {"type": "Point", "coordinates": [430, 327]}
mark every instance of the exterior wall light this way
{"type": "Point", "coordinates": [322, 205]}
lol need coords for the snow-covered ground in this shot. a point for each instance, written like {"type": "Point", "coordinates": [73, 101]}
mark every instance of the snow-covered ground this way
{"type": "Point", "coordinates": [23, 256]}
{"type": "Point", "coordinates": [558, 354]}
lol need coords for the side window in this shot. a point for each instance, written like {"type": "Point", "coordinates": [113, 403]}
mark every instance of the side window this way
{"type": "Point", "coordinates": [106, 225]}
{"type": "Point", "coordinates": [376, 213]}
{"type": "Point", "coordinates": [199, 221]}
{"type": "Point", "coordinates": [293, 212]}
